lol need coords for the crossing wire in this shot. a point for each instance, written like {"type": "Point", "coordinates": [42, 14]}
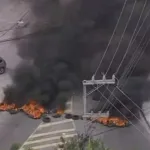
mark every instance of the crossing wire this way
{"type": "Point", "coordinates": [99, 65]}
{"type": "Point", "coordinates": [131, 42]}
{"type": "Point", "coordinates": [123, 116]}
{"type": "Point", "coordinates": [135, 55]}
{"type": "Point", "coordinates": [147, 14]}
{"type": "Point", "coordinates": [127, 50]}
{"type": "Point", "coordinates": [139, 57]}
{"type": "Point", "coordinates": [11, 28]}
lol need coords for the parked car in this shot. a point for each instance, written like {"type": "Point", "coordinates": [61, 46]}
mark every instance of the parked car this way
{"type": "Point", "coordinates": [2, 65]}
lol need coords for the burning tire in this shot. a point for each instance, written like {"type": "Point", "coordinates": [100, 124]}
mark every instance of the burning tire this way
{"type": "Point", "coordinates": [46, 119]}
{"type": "Point", "coordinates": [111, 124]}
{"type": "Point", "coordinates": [13, 111]}
{"type": "Point", "coordinates": [56, 116]}
{"type": "Point", "coordinates": [75, 117]}
{"type": "Point", "coordinates": [68, 116]}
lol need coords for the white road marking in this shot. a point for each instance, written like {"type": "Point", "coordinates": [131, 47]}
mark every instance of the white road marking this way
{"type": "Point", "coordinates": [50, 136]}
{"type": "Point", "coordinates": [29, 137]}
{"type": "Point", "coordinates": [46, 145]}
{"type": "Point", "coordinates": [55, 123]}
{"type": "Point", "coordinates": [50, 133]}
{"type": "Point", "coordinates": [48, 139]}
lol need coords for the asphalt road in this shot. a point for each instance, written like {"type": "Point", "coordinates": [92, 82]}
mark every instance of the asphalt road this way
{"type": "Point", "coordinates": [131, 138]}
{"type": "Point", "coordinates": [18, 127]}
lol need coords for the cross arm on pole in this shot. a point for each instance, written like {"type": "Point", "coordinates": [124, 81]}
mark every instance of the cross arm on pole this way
{"type": "Point", "coordinates": [102, 81]}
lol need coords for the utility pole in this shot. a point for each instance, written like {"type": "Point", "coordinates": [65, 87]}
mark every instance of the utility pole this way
{"type": "Point", "coordinates": [93, 82]}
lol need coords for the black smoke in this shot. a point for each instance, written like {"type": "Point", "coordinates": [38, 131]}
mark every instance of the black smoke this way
{"type": "Point", "coordinates": [71, 41]}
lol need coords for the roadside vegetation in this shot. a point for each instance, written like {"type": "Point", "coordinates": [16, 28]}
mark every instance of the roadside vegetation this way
{"type": "Point", "coordinates": [79, 142]}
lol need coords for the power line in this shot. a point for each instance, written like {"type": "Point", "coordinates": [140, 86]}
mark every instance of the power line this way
{"type": "Point", "coordinates": [111, 37]}
{"type": "Point", "coordinates": [134, 54]}
{"type": "Point", "coordinates": [121, 78]}
{"type": "Point", "coordinates": [129, 98]}
{"type": "Point", "coordinates": [136, 62]}
{"type": "Point", "coordinates": [34, 34]}
{"type": "Point", "coordinates": [126, 70]}
{"type": "Point", "coordinates": [125, 106]}
{"type": "Point", "coordinates": [124, 32]}
{"type": "Point", "coordinates": [103, 132]}
{"type": "Point", "coordinates": [132, 68]}
{"type": "Point", "coordinates": [128, 48]}
{"type": "Point", "coordinates": [123, 115]}
{"type": "Point", "coordinates": [11, 28]}
{"type": "Point", "coordinates": [142, 113]}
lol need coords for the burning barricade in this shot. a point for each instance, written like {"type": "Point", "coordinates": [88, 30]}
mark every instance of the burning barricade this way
{"type": "Point", "coordinates": [32, 109]}
{"type": "Point", "coordinates": [113, 121]}
{"type": "Point", "coordinates": [6, 107]}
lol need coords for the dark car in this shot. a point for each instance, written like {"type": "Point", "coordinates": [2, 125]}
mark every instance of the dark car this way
{"type": "Point", "coordinates": [2, 65]}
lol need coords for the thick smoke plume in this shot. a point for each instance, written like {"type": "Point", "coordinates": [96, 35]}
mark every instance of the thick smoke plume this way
{"type": "Point", "coordinates": [71, 41]}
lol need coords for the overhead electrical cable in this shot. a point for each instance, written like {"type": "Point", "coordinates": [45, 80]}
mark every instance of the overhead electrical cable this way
{"type": "Point", "coordinates": [128, 48]}
{"type": "Point", "coordinates": [124, 116]}
{"type": "Point", "coordinates": [122, 10]}
{"type": "Point", "coordinates": [130, 43]}
{"type": "Point", "coordinates": [136, 62]}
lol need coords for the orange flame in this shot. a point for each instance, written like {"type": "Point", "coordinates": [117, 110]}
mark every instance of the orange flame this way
{"type": "Point", "coordinates": [32, 108]}
{"type": "Point", "coordinates": [60, 111]}
{"type": "Point", "coordinates": [112, 121]}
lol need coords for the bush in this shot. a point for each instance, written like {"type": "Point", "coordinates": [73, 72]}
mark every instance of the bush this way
{"type": "Point", "coordinates": [15, 146]}
{"type": "Point", "coordinates": [82, 142]}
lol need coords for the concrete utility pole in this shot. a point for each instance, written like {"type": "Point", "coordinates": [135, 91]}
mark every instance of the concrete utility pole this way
{"type": "Point", "coordinates": [93, 82]}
